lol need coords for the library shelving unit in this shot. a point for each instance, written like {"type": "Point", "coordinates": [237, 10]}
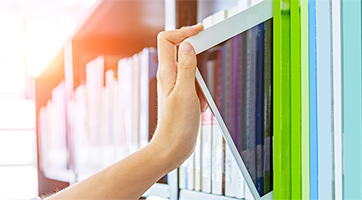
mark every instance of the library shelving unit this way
{"type": "Point", "coordinates": [116, 30]}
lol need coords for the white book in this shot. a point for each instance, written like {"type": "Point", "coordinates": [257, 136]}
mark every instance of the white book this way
{"type": "Point", "coordinates": [229, 175]}
{"type": "Point", "coordinates": [206, 150]}
{"type": "Point", "coordinates": [125, 76]}
{"type": "Point", "coordinates": [219, 16]}
{"type": "Point", "coordinates": [234, 10]}
{"type": "Point", "coordinates": [191, 172]}
{"type": "Point", "coordinates": [198, 161]}
{"type": "Point", "coordinates": [217, 158]}
{"type": "Point", "coordinates": [337, 98]}
{"type": "Point", "coordinates": [208, 21]}
{"type": "Point", "coordinates": [239, 182]}
{"type": "Point", "coordinates": [182, 175]}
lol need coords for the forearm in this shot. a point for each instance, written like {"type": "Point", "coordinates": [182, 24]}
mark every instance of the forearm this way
{"type": "Point", "coordinates": [126, 179]}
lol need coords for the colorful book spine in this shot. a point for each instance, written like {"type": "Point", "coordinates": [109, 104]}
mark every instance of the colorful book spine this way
{"type": "Point", "coordinates": [313, 102]}
{"type": "Point", "coordinates": [267, 128]}
{"type": "Point", "coordinates": [259, 109]}
{"type": "Point", "coordinates": [324, 100]}
{"type": "Point", "coordinates": [252, 35]}
{"type": "Point", "coordinates": [352, 102]}
{"type": "Point", "coordinates": [305, 98]}
{"type": "Point", "coordinates": [281, 100]}
{"type": "Point", "coordinates": [295, 92]}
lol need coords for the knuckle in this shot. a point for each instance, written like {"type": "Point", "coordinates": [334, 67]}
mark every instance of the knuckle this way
{"type": "Point", "coordinates": [161, 35]}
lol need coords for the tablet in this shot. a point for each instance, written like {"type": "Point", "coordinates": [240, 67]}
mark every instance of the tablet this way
{"type": "Point", "coordinates": [235, 74]}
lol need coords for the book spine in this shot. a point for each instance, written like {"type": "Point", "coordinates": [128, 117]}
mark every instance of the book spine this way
{"type": "Point", "coordinates": [144, 95]}
{"type": "Point", "coordinates": [206, 150]}
{"type": "Point", "coordinates": [217, 157]}
{"type": "Point", "coordinates": [295, 92]}
{"type": "Point", "coordinates": [267, 106]}
{"type": "Point", "coordinates": [305, 100]}
{"type": "Point", "coordinates": [324, 100]}
{"type": "Point", "coordinates": [337, 98]}
{"type": "Point", "coordinates": [259, 109]}
{"type": "Point", "coordinates": [198, 155]}
{"type": "Point", "coordinates": [229, 176]}
{"type": "Point", "coordinates": [313, 102]}
{"type": "Point", "coordinates": [352, 102]}
{"type": "Point", "coordinates": [281, 97]}
{"type": "Point", "coordinates": [191, 172]}
{"type": "Point", "coordinates": [251, 100]}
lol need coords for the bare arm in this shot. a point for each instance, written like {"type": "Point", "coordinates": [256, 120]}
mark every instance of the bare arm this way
{"type": "Point", "coordinates": [179, 107]}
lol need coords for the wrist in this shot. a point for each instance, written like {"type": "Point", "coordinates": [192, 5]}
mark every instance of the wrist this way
{"type": "Point", "coordinates": [172, 153]}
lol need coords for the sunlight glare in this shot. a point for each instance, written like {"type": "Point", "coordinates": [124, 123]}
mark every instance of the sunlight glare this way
{"type": "Point", "coordinates": [12, 75]}
{"type": "Point", "coordinates": [11, 35]}
{"type": "Point", "coordinates": [17, 114]}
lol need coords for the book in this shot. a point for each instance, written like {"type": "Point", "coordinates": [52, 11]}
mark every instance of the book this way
{"type": "Point", "coordinates": [191, 172]}
{"type": "Point", "coordinates": [198, 159]}
{"type": "Point", "coordinates": [251, 100]}
{"type": "Point", "coordinates": [229, 176]}
{"type": "Point", "coordinates": [352, 102]}
{"type": "Point", "coordinates": [324, 100]}
{"type": "Point", "coordinates": [281, 97]}
{"type": "Point", "coordinates": [217, 158]}
{"type": "Point", "coordinates": [259, 109]}
{"type": "Point", "coordinates": [148, 71]}
{"type": "Point", "coordinates": [295, 93]}
{"type": "Point", "coordinates": [305, 99]}
{"type": "Point", "coordinates": [337, 98]}
{"type": "Point", "coordinates": [267, 107]}
{"type": "Point", "coordinates": [313, 102]}
{"type": "Point", "coordinates": [206, 151]}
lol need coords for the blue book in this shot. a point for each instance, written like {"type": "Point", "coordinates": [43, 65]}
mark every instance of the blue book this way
{"type": "Point", "coordinates": [252, 35]}
{"type": "Point", "coordinates": [259, 109]}
{"type": "Point", "coordinates": [324, 100]}
{"type": "Point", "coordinates": [351, 100]}
{"type": "Point", "coordinates": [313, 102]}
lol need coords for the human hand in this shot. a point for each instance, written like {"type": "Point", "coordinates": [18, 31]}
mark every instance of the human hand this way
{"type": "Point", "coordinates": [180, 100]}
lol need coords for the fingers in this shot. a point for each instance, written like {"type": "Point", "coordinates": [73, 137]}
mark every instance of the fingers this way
{"type": "Point", "coordinates": [186, 67]}
{"type": "Point", "coordinates": [167, 42]}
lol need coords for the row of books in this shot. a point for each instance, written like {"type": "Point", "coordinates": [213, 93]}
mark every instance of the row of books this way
{"type": "Point", "coordinates": [317, 84]}
{"type": "Point", "coordinates": [108, 117]}
{"type": "Point", "coordinates": [211, 168]}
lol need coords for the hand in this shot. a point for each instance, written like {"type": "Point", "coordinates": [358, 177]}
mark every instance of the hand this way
{"type": "Point", "coordinates": [180, 101]}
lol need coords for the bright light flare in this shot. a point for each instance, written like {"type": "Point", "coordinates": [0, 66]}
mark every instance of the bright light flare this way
{"type": "Point", "coordinates": [12, 75]}
{"type": "Point", "coordinates": [11, 35]}
{"type": "Point", "coordinates": [17, 114]}
{"type": "Point", "coordinates": [20, 144]}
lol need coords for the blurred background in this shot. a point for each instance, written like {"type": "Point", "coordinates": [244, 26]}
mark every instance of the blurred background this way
{"type": "Point", "coordinates": [31, 33]}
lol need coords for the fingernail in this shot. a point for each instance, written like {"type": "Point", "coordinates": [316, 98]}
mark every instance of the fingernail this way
{"type": "Point", "coordinates": [185, 47]}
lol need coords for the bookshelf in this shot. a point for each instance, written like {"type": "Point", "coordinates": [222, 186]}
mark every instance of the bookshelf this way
{"type": "Point", "coordinates": [116, 30]}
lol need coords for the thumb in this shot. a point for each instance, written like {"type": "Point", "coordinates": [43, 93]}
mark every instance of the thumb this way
{"type": "Point", "coordinates": [186, 68]}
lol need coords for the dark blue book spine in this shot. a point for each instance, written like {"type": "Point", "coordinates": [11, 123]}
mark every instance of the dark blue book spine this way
{"type": "Point", "coordinates": [236, 91]}
{"type": "Point", "coordinates": [259, 109]}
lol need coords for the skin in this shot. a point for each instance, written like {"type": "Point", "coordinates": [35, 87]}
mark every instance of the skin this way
{"type": "Point", "coordinates": [180, 104]}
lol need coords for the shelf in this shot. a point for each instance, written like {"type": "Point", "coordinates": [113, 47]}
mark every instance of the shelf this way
{"type": "Point", "coordinates": [195, 195]}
